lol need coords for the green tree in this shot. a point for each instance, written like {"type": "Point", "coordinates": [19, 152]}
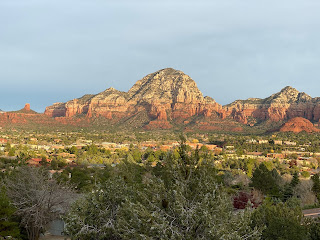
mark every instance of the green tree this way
{"type": "Point", "coordinates": [184, 202]}
{"type": "Point", "coordinates": [295, 180]}
{"type": "Point", "coordinates": [43, 161]}
{"type": "Point", "coordinates": [179, 199]}
{"type": "Point", "coordinates": [73, 150]}
{"type": "Point", "coordinates": [314, 230]}
{"type": "Point", "coordinates": [95, 215]}
{"type": "Point", "coordinates": [12, 152]}
{"type": "Point", "coordinates": [54, 164]}
{"type": "Point", "coordinates": [266, 181]}
{"type": "Point", "coordinates": [281, 220]}
{"type": "Point", "coordinates": [184, 210]}
{"type": "Point", "coordinates": [305, 174]}
{"type": "Point", "coordinates": [289, 188]}
{"type": "Point", "coordinates": [9, 226]}
{"type": "Point", "coordinates": [80, 179]}
{"type": "Point", "coordinates": [316, 185]}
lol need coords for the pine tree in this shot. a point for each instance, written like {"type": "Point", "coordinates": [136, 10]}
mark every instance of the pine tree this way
{"type": "Point", "coordinates": [9, 226]}
{"type": "Point", "coordinates": [316, 185]}
{"type": "Point", "coordinates": [266, 181]}
{"type": "Point", "coordinates": [295, 180]}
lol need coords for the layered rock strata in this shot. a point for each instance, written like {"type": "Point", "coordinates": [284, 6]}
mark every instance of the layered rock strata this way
{"type": "Point", "coordinates": [286, 104]}
{"type": "Point", "coordinates": [166, 95]}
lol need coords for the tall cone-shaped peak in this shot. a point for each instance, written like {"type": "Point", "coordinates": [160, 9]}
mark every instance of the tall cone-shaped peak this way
{"type": "Point", "coordinates": [166, 85]}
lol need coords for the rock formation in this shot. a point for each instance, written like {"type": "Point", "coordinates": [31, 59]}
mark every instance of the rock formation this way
{"type": "Point", "coordinates": [27, 107]}
{"type": "Point", "coordinates": [169, 99]}
{"type": "Point", "coordinates": [18, 117]}
{"type": "Point", "coordinates": [286, 104]}
{"type": "Point", "coordinates": [298, 124]}
{"type": "Point", "coordinates": [166, 95]}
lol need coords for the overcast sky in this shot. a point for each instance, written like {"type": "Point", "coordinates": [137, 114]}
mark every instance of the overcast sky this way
{"type": "Point", "coordinates": [57, 50]}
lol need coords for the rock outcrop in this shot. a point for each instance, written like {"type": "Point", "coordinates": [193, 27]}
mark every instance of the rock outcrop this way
{"type": "Point", "coordinates": [284, 105]}
{"type": "Point", "coordinates": [298, 124]}
{"type": "Point", "coordinates": [27, 118]}
{"type": "Point", "coordinates": [166, 95]}
{"type": "Point", "coordinates": [27, 107]}
{"type": "Point", "coordinates": [171, 99]}
{"type": "Point", "coordinates": [26, 110]}
{"type": "Point", "coordinates": [19, 117]}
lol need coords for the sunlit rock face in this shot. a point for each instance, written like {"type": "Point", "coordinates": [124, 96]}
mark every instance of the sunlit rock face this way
{"type": "Point", "coordinates": [286, 104]}
{"type": "Point", "coordinates": [298, 124]}
{"type": "Point", "coordinates": [166, 95]}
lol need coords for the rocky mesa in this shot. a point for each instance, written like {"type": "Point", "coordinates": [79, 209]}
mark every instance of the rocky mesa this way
{"type": "Point", "coordinates": [165, 96]}
{"type": "Point", "coordinates": [286, 104]}
{"type": "Point", "coordinates": [19, 117]}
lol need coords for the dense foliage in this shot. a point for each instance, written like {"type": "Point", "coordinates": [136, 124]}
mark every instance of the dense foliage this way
{"type": "Point", "coordinates": [179, 199]}
{"type": "Point", "coordinates": [145, 192]}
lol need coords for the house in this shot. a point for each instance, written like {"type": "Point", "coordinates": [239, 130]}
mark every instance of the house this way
{"type": "Point", "coordinates": [36, 161]}
{"type": "Point", "coordinates": [218, 150]}
{"type": "Point", "coordinates": [211, 146]}
{"type": "Point", "coordinates": [195, 145]}
{"type": "Point", "coordinates": [276, 155]}
{"type": "Point", "coordinates": [278, 142]}
{"type": "Point", "coordinates": [254, 154]}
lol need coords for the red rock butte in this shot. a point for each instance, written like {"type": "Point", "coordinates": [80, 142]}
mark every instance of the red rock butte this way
{"type": "Point", "coordinates": [27, 107]}
{"type": "Point", "coordinates": [166, 95]}
{"type": "Point", "coordinates": [299, 124]}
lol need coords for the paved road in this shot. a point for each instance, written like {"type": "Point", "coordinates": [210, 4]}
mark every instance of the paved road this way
{"type": "Point", "coordinates": [54, 238]}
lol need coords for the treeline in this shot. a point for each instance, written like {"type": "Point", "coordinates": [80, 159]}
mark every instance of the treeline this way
{"type": "Point", "coordinates": [183, 196]}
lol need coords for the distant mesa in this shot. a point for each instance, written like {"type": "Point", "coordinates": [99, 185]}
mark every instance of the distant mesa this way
{"type": "Point", "coordinates": [281, 106]}
{"type": "Point", "coordinates": [299, 124]}
{"type": "Point", "coordinates": [26, 110]}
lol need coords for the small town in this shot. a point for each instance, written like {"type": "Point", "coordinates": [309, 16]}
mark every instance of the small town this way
{"type": "Point", "coordinates": [284, 166]}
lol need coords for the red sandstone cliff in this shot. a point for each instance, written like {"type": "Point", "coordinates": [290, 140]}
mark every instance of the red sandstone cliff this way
{"type": "Point", "coordinates": [169, 98]}
{"type": "Point", "coordinates": [166, 95]}
{"type": "Point", "coordinates": [298, 124]}
{"type": "Point", "coordinates": [27, 118]}
{"type": "Point", "coordinates": [19, 117]}
{"type": "Point", "coordinates": [286, 104]}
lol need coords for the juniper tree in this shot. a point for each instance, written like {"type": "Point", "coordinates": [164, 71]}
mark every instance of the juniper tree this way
{"type": "Point", "coordinates": [181, 198]}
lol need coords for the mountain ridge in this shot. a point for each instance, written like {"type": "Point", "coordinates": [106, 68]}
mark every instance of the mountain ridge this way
{"type": "Point", "coordinates": [166, 94]}
{"type": "Point", "coordinates": [170, 99]}
{"type": "Point", "coordinates": [281, 106]}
